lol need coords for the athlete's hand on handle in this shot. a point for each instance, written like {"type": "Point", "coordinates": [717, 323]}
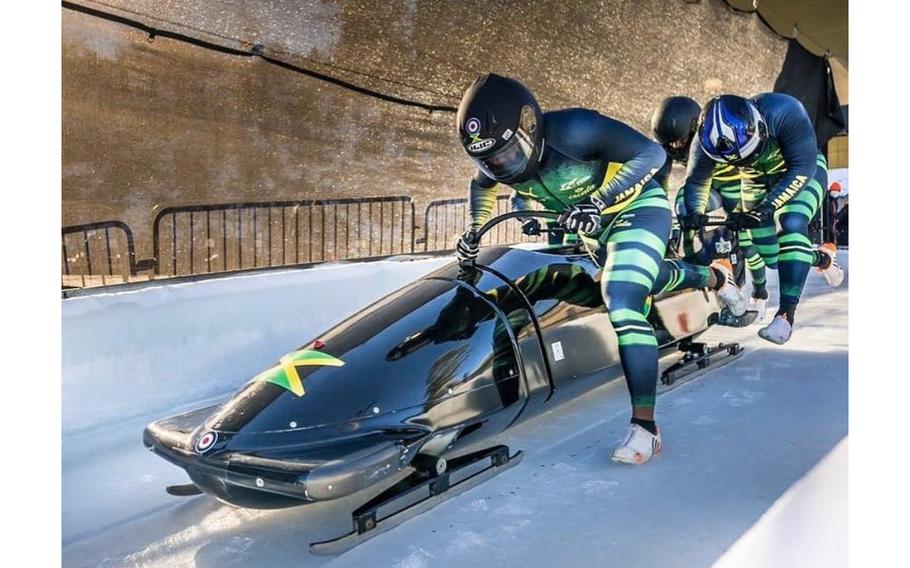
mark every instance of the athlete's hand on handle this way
{"type": "Point", "coordinates": [693, 221]}
{"type": "Point", "coordinates": [530, 227]}
{"type": "Point", "coordinates": [749, 219]}
{"type": "Point", "coordinates": [581, 218]}
{"type": "Point", "coordinates": [467, 248]}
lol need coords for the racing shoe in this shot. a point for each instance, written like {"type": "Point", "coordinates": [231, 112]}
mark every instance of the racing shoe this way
{"type": "Point", "coordinates": [778, 331]}
{"type": "Point", "coordinates": [637, 447]}
{"type": "Point", "coordinates": [833, 273]}
{"type": "Point", "coordinates": [729, 293]}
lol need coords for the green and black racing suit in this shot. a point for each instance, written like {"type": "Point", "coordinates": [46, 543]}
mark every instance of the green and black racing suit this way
{"type": "Point", "coordinates": [588, 157]}
{"type": "Point", "coordinates": [787, 179]}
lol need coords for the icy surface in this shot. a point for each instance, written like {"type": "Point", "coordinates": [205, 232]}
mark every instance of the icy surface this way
{"type": "Point", "coordinates": [134, 356]}
{"type": "Point", "coordinates": [735, 441]}
{"type": "Point", "coordinates": [793, 519]}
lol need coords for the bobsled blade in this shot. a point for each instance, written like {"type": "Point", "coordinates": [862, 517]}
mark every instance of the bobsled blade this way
{"type": "Point", "coordinates": [185, 490]}
{"type": "Point", "coordinates": [697, 360]}
{"type": "Point", "coordinates": [418, 494]}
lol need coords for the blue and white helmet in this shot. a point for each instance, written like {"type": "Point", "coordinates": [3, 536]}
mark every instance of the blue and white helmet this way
{"type": "Point", "coordinates": [732, 130]}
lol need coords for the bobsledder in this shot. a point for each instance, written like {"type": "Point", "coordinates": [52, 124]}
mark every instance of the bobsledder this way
{"type": "Point", "coordinates": [405, 397]}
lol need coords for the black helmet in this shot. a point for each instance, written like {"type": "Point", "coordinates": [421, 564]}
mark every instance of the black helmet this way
{"type": "Point", "coordinates": [674, 124]}
{"type": "Point", "coordinates": [501, 127]}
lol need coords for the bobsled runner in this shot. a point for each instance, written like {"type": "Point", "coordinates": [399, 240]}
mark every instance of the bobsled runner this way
{"type": "Point", "coordinates": [405, 397]}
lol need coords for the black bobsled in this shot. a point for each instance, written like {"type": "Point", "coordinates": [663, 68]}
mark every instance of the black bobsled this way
{"type": "Point", "coordinates": [401, 395]}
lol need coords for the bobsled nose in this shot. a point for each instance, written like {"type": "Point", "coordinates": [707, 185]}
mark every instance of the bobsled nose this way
{"type": "Point", "coordinates": [257, 478]}
{"type": "Point", "coordinates": [175, 434]}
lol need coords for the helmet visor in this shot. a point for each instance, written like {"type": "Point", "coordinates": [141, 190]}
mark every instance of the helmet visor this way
{"type": "Point", "coordinates": [510, 160]}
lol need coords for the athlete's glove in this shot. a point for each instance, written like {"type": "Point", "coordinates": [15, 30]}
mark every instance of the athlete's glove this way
{"type": "Point", "coordinates": [530, 227]}
{"type": "Point", "coordinates": [581, 218]}
{"type": "Point", "coordinates": [750, 219]}
{"type": "Point", "coordinates": [467, 248]}
{"type": "Point", "coordinates": [693, 221]}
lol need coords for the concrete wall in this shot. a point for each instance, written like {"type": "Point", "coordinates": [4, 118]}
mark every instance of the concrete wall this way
{"type": "Point", "coordinates": [148, 124]}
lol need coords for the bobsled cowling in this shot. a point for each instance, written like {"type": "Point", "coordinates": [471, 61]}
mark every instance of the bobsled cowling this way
{"type": "Point", "coordinates": [405, 380]}
{"type": "Point", "coordinates": [450, 360]}
{"type": "Point", "coordinates": [249, 480]}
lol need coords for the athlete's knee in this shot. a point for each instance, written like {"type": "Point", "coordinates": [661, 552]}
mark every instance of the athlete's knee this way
{"type": "Point", "coordinates": [794, 223]}
{"type": "Point", "coordinates": [621, 304]}
{"type": "Point", "coordinates": [619, 298]}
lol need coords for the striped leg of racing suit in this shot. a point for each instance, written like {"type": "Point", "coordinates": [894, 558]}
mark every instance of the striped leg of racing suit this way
{"type": "Point", "coordinates": [789, 249]}
{"type": "Point", "coordinates": [632, 255]}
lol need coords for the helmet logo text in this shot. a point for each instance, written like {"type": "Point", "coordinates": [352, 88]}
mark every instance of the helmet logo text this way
{"type": "Point", "coordinates": [481, 145]}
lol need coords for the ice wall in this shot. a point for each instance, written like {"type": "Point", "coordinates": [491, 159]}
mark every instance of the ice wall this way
{"type": "Point", "coordinates": [129, 353]}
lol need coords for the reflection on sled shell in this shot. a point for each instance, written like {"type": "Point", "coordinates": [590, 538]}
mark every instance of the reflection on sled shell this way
{"type": "Point", "coordinates": [432, 369]}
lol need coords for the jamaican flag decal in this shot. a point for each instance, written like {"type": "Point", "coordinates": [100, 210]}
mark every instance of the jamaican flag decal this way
{"type": "Point", "coordinates": [284, 374]}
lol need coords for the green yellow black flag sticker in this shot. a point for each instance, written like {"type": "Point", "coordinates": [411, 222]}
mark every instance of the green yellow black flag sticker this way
{"type": "Point", "coordinates": [284, 374]}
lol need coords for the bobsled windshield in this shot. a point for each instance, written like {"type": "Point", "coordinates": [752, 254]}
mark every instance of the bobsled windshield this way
{"type": "Point", "coordinates": [431, 340]}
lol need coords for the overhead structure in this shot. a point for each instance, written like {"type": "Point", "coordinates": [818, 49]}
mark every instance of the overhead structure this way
{"type": "Point", "coordinates": [820, 26]}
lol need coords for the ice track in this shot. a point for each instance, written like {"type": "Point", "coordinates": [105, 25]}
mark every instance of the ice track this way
{"type": "Point", "coordinates": [735, 441]}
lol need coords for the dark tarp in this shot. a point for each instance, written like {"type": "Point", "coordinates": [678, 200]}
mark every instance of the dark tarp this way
{"type": "Point", "coordinates": [808, 77]}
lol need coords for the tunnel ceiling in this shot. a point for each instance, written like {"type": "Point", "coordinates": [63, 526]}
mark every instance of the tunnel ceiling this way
{"type": "Point", "coordinates": [820, 24]}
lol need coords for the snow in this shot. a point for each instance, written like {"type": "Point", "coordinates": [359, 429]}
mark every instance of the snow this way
{"type": "Point", "coordinates": [738, 444]}
{"type": "Point", "coordinates": [821, 494]}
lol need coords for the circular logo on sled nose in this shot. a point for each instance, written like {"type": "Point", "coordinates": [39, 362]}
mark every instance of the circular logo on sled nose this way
{"type": "Point", "coordinates": [205, 442]}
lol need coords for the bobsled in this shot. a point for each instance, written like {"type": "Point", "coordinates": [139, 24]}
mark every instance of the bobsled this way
{"type": "Point", "coordinates": [406, 396]}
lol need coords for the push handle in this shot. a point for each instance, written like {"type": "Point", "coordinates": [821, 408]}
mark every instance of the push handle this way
{"type": "Point", "coordinates": [553, 215]}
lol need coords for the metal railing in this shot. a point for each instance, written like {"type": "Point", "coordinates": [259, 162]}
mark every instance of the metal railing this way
{"type": "Point", "coordinates": [235, 236]}
{"type": "Point", "coordinates": [99, 250]}
{"type": "Point", "coordinates": [200, 239]}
